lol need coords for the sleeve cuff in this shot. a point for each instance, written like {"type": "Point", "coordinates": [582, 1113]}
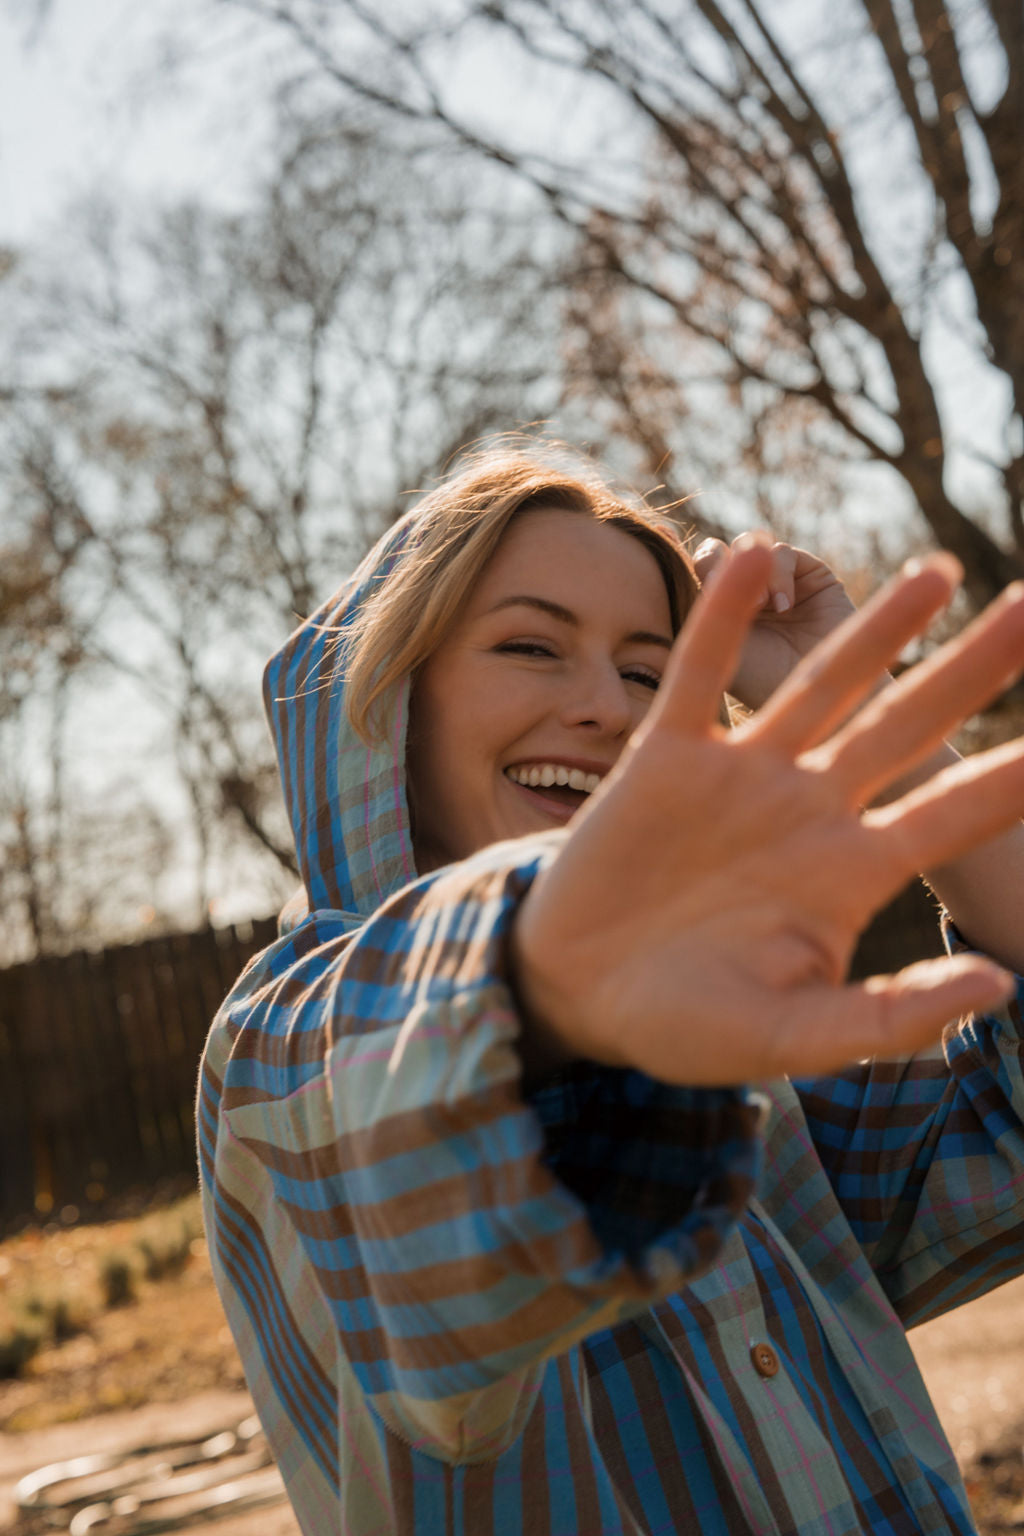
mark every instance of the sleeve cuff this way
{"type": "Point", "coordinates": [661, 1172]}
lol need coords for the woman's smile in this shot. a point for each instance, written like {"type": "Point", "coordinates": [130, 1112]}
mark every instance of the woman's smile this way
{"type": "Point", "coordinates": [556, 787]}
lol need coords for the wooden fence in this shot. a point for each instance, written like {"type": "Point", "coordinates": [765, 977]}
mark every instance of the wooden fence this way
{"type": "Point", "coordinates": [99, 1055]}
{"type": "Point", "coordinates": [98, 1060]}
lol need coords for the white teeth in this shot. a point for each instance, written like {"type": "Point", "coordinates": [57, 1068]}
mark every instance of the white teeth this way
{"type": "Point", "coordinates": [543, 775]}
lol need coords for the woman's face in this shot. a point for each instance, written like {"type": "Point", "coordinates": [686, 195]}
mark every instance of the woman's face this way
{"type": "Point", "coordinates": [531, 698]}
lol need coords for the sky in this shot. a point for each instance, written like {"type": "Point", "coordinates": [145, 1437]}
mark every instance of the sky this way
{"type": "Point", "coordinates": [85, 101]}
{"type": "Point", "coordinates": [90, 101]}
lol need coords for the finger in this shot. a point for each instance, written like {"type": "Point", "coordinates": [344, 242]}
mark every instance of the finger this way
{"type": "Point", "coordinates": [827, 685]}
{"type": "Point", "coordinates": [779, 590]}
{"type": "Point", "coordinates": [827, 1028]}
{"type": "Point", "coordinates": [956, 810]}
{"type": "Point", "coordinates": [707, 557]}
{"type": "Point", "coordinates": [911, 718]}
{"type": "Point", "coordinates": [706, 654]}
{"type": "Point", "coordinates": [782, 582]}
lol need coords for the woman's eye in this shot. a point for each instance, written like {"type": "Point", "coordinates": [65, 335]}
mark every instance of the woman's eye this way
{"type": "Point", "coordinates": [646, 677]}
{"type": "Point", "coordinates": [641, 675]}
{"type": "Point", "coordinates": [525, 648]}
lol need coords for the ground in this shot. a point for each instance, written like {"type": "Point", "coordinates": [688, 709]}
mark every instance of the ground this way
{"type": "Point", "coordinates": [163, 1365]}
{"type": "Point", "coordinates": [973, 1363]}
{"type": "Point", "coordinates": [169, 1343]}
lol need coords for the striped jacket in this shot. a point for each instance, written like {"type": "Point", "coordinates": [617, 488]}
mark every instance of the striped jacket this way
{"type": "Point", "coordinates": [602, 1307]}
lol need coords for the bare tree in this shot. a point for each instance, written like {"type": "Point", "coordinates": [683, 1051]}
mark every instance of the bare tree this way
{"type": "Point", "coordinates": [40, 652]}
{"type": "Point", "coordinates": [822, 201]}
{"type": "Point", "coordinates": [207, 419]}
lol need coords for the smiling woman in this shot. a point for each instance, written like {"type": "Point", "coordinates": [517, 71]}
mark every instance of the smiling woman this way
{"type": "Point", "coordinates": [507, 1239]}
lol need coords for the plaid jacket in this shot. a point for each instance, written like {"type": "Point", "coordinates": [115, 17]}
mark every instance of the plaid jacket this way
{"type": "Point", "coordinates": [604, 1307]}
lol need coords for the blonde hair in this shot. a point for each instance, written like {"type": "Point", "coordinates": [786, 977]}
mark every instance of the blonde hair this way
{"type": "Point", "coordinates": [456, 529]}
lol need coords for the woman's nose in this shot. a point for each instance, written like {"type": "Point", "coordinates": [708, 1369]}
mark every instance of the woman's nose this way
{"type": "Point", "coordinates": [598, 698]}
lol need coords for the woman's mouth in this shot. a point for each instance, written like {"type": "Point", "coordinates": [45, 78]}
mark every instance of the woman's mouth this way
{"type": "Point", "coordinates": [555, 788]}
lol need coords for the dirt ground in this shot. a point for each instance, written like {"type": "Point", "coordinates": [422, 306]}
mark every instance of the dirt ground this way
{"type": "Point", "coordinates": [973, 1362]}
{"type": "Point", "coordinates": [169, 1344]}
{"type": "Point", "coordinates": [164, 1367]}
{"type": "Point", "coordinates": [197, 1416]}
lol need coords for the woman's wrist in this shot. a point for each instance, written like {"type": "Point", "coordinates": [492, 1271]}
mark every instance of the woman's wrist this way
{"type": "Point", "coordinates": [544, 1045]}
{"type": "Point", "coordinates": [558, 997]}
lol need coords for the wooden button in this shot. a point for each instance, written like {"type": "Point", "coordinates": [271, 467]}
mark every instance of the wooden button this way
{"type": "Point", "coordinates": [766, 1361]}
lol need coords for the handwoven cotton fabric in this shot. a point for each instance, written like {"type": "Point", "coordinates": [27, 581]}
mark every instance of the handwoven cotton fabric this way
{"type": "Point", "coordinates": [469, 1308]}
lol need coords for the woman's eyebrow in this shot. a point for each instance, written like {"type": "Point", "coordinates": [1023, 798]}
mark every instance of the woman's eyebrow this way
{"type": "Point", "coordinates": [566, 616]}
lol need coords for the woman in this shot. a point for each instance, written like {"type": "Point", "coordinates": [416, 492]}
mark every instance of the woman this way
{"type": "Point", "coordinates": [507, 1239]}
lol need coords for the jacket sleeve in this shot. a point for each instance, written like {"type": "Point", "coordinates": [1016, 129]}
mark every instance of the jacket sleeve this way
{"type": "Point", "coordinates": [926, 1156]}
{"type": "Point", "coordinates": [459, 1232]}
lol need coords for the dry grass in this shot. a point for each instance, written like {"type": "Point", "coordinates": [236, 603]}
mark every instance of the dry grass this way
{"type": "Point", "coordinates": [109, 1316]}
{"type": "Point", "coordinates": [52, 1283]}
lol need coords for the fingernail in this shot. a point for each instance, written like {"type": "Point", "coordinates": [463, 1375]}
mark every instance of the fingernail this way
{"type": "Point", "coordinates": [755, 539]}
{"type": "Point", "coordinates": [781, 603]}
{"type": "Point", "coordinates": [950, 564]}
{"type": "Point", "coordinates": [940, 561]}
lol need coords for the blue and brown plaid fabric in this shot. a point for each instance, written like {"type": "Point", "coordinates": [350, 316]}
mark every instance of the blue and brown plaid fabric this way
{"type": "Point", "coordinates": [597, 1305]}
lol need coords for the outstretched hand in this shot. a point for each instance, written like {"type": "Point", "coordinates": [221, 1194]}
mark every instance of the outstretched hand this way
{"type": "Point", "coordinates": [699, 919]}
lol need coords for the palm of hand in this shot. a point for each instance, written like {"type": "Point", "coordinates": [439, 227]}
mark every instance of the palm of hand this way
{"type": "Point", "coordinates": [698, 921]}
{"type": "Point", "coordinates": [739, 914]}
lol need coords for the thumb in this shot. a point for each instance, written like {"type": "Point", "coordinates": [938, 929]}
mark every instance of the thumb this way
{"type": "Point", "coordinates": [891, 1015]}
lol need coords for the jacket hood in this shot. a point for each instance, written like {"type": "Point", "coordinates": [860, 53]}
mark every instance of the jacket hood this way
{"type": "Point", "coordinates": [346, 801]}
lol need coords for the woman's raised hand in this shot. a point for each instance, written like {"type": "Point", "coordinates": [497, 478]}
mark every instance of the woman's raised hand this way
{"type": "Point", "coordinates": [802, 601]}
{"type": "Point", "coordinates": [698, 921]}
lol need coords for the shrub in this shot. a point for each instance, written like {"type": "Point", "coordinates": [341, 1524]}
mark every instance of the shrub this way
{"type": "Point", "coordinates": [119, 1277]}
{"type": "Point", "coordinates": [165, 1242]}
{"type": "Point", "coordinates": [158, 1246]}
{"type": "Point", "coordinates": [23, 1337]}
